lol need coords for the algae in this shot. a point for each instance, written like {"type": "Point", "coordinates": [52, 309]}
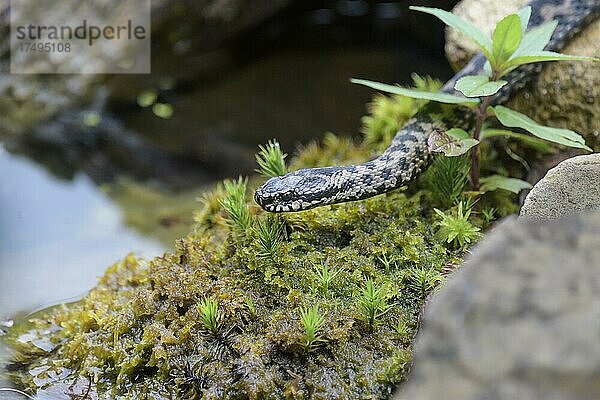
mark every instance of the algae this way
{"type": "Point", "coordinates": [223, 315]}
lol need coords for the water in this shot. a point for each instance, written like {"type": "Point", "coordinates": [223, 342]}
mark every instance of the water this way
{"type": "Point", "coordinates": [56, 236]}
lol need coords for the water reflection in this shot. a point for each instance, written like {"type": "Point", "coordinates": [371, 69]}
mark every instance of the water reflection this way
{"type": "Point", "coordinates": [56, 237]}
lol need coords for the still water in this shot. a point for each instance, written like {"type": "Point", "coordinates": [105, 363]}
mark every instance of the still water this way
{"type": "Point", "coordinates": [56, 237]}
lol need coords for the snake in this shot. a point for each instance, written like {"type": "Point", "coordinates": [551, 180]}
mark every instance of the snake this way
{"type": "Point", "coordinates": [408, 154]}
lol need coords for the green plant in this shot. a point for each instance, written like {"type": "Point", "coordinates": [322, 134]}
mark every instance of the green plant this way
{"type": "Point", "coordinates": [424, 279]}
{"type": "Point", "coordinates": [249, 303]}
{"type": "Point", "coordinates": [271, 160]}
{"type": "Point", "coordinates": [387, 262]}
{"type": "Point", "coordinates": [269, 233]}
{"type": "Point", "coordinates": [456, 228]}
{"type": "Point", "coordinates": [211, 204]}
{"type": "Point", "coordinates": [446, 178]}
{"type": "Point", "coordinates": [324, 277]}
{"type": "Point", "coordinates": [373, 303]}
{"type": "Point", "coordinates": [235, 205]}
{"type": "Point", "coordinates": [508, 48]}
{"type": "Point", "coordinates": [210, 315]}
{"type": "Point", "coordinates": [489, 214]}
{"type": "Point", "coordinates": [312, 322]}
{"type": "Point", "coordinates": [401, 327]}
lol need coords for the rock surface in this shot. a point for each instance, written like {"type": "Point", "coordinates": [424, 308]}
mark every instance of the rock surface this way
{"type": "Point", "coordinates": [565, 94]}
{"type": "Point", "coordinates": [520, 320]}
{"type": "Point", "coordinates": [484, 14]}
{"type": "Point", "coordinates": [571, 187]}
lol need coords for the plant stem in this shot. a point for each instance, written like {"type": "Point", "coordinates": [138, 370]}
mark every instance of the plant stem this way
{"type": "Point", "coordinates": [481, 114]}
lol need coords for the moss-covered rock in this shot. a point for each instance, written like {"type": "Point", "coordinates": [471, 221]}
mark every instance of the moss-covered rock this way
{"type": "Point", "coordinates": [140, 330]}
{"type": "Point", "coordinates": [226, 314]}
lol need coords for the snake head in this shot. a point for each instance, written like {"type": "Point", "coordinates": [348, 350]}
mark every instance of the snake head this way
{"type": "Point", "coordinates": [296, 191]}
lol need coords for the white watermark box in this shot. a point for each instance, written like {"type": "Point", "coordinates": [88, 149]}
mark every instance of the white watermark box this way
{"type": "Point", "coordinates": [79, 36]}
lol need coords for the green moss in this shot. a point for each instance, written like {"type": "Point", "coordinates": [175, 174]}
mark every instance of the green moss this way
{"type": "Point", "coordinates": [141, 329]}
{"type": "Point", "coordinates": [147, 331]}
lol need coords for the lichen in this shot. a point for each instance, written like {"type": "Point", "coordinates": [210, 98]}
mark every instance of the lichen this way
{"type": "Point", "coordinates": [221, 317]}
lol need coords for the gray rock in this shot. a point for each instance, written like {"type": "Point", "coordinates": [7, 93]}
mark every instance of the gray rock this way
{"type": "Point", "coordinates": [572, 187]}
{"type": "Point", "coordinates": [564, 94]}
{"type": "Point", "coordinates": [520, 320]}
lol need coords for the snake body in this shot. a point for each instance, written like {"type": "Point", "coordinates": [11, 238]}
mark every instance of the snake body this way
{"type": "Point", "coordinates": [408, 153]}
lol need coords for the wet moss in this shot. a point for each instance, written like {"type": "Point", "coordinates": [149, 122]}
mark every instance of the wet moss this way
{"type": "Point", "coordinates": [141, 324]}
{"type": "Point", "coordinates": [140, 332]}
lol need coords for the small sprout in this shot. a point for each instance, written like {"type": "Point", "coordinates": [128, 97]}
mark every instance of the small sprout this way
{"type": "Point", "coordinates": [325, 277]}
{"type": "Point", "coordinates": [250, 305]}
{"type": "Point", "coordinates": [269, 233]}
{"type": "Point", "coordinates": [446, 178]}
{"type": "Point", "coordinates": [387, 263]}
{"type": "Point", "coordinates": [423, 279]}
{"type": "Point", "coordinates": [271, 160]}
{"type": "Point", "coordinates": [235, 205]}
{"type": "Point", "coordinates": [401, 327]}
{"type": "Point", "coordinates": [457, 229]}
{"type": "Point", "coordinates": [208, 213]}
{"type": "Point", "coordinates": [312, 322]}
{"type": "Point", "coordinates": [373, 303]}
{"type": "Point", "coordinates": [210, 315]}
{"type": "Point", "coordinates": [489, 214]}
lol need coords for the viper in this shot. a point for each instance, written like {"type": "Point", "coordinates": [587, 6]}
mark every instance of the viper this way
{"type": "Point", "coordinates": [408, 152]}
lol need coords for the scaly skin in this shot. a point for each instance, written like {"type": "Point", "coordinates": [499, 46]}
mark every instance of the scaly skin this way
{"type": "Point", "coordinates": [408, 153]}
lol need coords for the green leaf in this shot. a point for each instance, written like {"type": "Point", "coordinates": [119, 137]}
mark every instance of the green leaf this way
{"type": "Point", "coordinates": [542, 56]}
{"type": "Point", "coordinates": [514, 119]}
{"type": "Point", "coordinates": [538, 144]}
{"type": "Point", "coordinates": [494, 182]}
{"type": "Point", "coordinates": [524, 15]}
{"type": "Point", "coordinates": [458, 133]}
{"type": "Point", "coordinates": [478, 86]}
{"type": "Point", "coordinates": [536, 39]}
{"type": "Point", "coordinates": [415, 93]}
{"type": "Point", "coordinates": [506, 38]}
{"type": "Point", "coordinates": [484, 42]}
{"type": "Point", "coordinates": [454, 142]}
{"type": "Point", "coordinates": [487, 68]}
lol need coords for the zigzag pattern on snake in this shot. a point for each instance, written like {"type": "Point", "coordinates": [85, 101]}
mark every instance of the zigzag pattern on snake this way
{"type": "Point", "coordinates": [408, 153]}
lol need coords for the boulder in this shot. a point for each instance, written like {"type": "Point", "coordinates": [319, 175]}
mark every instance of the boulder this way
{"type": "Point", "coordinates": [519, 320]}
{"type": "Point", "coordinates": [564, 94]}
{"type": "Point", "coordinates": [572, 187]}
